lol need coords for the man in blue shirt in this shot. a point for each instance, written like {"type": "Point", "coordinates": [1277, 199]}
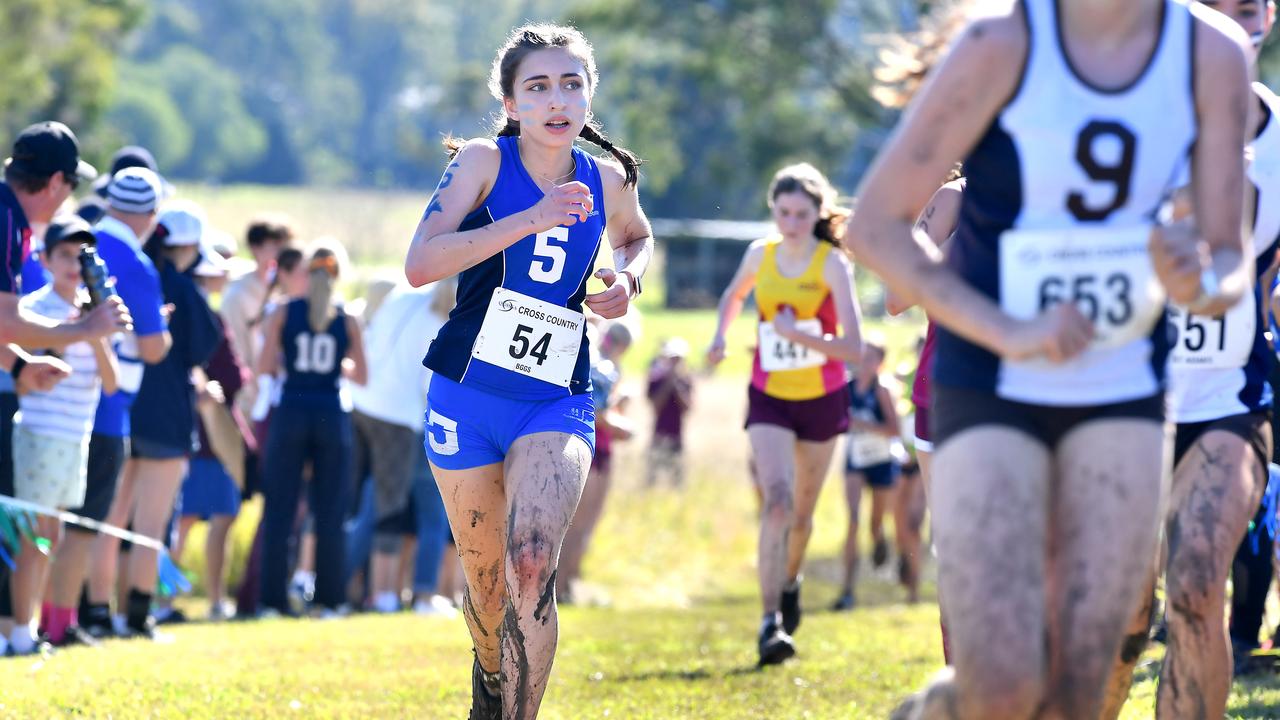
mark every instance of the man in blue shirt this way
{"type": "Point", "coordinates": [132, 196]}
{"type": "Point", "coordinates": [41, 174]}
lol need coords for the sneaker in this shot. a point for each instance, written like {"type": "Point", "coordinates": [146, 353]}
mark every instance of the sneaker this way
{"type": "Point", "coordinates": [880, 555]}
{"type": "Point", "coordinates": [37, 647]}
{"type": "Point", "coordinates": [146, 631]}
{"type": "Point", "coordinates": [791, 607]}
{"type": "Point", "coordinates": [302, 588]}
{"type": "Point", "coordinates": [486, 700]}
{"type": "Point", "coordinates": [844, 603]}
{"type": "Point", "coordinates": [99, 630]}
{"type": "Point", "coordinates": [435, 606]}
{"type": "Point", "coordinates": [775, 645]}
{"type": "Point", "coordinates": [77, 635]}
{"type": "Point", "coordinates": [220, 611]}
{"type": "Point", "coordinates": [170, 616]}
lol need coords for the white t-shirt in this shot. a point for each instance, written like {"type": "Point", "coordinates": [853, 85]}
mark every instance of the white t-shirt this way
{"type": "Point", "coordinates": [394, 344]}
{"type": "Point", "coordinates": [67, 410]}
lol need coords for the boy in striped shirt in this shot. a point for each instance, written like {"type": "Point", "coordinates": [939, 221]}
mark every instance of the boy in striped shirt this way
{"type": "Point", "coordinates": [51, 432]}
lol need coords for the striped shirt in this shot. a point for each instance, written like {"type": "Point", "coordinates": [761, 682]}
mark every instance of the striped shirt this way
{"type": "Point", "coordinates": [67, 410]}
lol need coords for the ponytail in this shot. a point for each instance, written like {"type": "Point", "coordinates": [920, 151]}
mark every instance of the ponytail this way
{"type": "Point", "coordinates": [320, 300]}
{"type": "Point", "coordinates": [831, 227]}
{"type": "Point", "coordinates": [593, 133]}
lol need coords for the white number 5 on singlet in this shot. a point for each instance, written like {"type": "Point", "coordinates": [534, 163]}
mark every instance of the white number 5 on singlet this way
{"type": "Point", "coordinates": [548, 259]}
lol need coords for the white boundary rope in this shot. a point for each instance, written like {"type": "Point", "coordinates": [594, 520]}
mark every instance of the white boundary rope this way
{"type": "Point", "coordinates": [84, 522]}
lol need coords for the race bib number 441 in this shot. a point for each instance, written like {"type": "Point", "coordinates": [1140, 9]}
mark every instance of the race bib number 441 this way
{"type": "Point", "coordinates": [1105, 271]}
{"type": "Point", "coordinates": [531, 337]}
{"type": "Point", "coordinates": [778, 353]}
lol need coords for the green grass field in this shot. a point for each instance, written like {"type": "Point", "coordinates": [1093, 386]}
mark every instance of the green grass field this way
{"type": "Point", "coordinates": [671, 626]}
{"type": "Point", "coordinates": [671, 634]}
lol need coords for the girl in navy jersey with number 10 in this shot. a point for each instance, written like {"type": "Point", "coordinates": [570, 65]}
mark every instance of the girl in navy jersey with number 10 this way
{"type": "Point", "coordinates": [1073, 120]}
{"type": "Point", "coordinates": [510, 424]}
{"type": "Point", "coordinates": [313, 336]}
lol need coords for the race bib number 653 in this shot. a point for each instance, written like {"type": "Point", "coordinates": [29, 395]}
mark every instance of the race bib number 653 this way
{"type": "Point", "coordinates": [531, 337]}
{"type": "Point", "coordinates": [1105, 271]}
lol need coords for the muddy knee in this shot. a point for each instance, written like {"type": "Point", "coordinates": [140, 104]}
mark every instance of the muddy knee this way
{"type": "Point", "coordinates": [1194, 592]}
{"type": "Point", "coordinates": [779, 504]}
{"type": "Point", "coordinates": [530, 554]}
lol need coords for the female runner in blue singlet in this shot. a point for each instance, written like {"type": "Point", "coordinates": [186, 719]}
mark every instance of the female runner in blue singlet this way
{"type": "Point", "coordinates": [510, 424]}
{"type": "Point", "coordinates": [1074, 121]}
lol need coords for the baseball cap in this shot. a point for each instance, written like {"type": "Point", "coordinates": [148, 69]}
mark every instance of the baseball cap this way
{"type": "Point", "coordinates": [68, 228]}
{"type": "Point", "coordinates": [127, 157]}
{"type": "Point", "coordinates": [92, 208]}
{"type": "Point", "coordinates": [50, 147]}
{"type": "Point", "coordinates": [134, 190]}
{"type": "Point", "coordinates": [183, 222]}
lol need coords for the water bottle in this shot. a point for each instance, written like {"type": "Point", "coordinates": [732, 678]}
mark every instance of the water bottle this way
{"type": "Point", "coordinates": [93, 272]}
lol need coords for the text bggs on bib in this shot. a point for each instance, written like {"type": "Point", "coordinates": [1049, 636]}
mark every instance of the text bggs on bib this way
{"type": "Point", "coordinates": [778, 353]}
{"type": "Point", "coordinates": [1106, 271]}
{"type": "Point", "coordinates": [531, 337]}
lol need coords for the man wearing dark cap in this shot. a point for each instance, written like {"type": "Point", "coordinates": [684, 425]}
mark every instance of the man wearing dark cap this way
{"type": "Point", "coordinates": [41, 174]}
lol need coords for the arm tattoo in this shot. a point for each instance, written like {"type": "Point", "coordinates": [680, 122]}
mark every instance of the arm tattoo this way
{"type": "Point", "coordinates": [434, 205]}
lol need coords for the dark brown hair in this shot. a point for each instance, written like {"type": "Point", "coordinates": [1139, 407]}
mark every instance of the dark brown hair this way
{"type": "Point", "coordinates": [269, 228]}
{"type": "Point", "coordinates": [528, 39]}
{"type": "Point", "coordinates": [24, 181]}
{"type": "Point", "coordinates": [807, 179]}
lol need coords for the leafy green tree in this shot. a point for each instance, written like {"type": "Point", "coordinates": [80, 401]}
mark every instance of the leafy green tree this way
{"type": "Point", "coordinates": [58, 58]}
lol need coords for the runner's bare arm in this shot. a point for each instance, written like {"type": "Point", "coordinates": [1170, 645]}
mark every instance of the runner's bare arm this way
{"type": "Point", "coordinates": [630, 236]}
{"type": "Point", "coordinates": [269, 357]}
{"type": "Point", "coordinates": [946, 120]}
{"type": "Point", "coordinates": [108, 368]}
{"type": "Point", "coordinates": [1223, 94]}
{"type": "Point", "coordinates": [440, 250]}
{"type": "Point", "coordinates": [938, 221]}
{"type": "Point", "coordinates": [847, 346]}
{"type": "Point", "coordinates": [733, 297]}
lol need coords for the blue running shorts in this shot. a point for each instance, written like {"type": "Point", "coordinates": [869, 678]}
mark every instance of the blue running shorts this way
{"type": "Point", "coordinates": [469, 428]}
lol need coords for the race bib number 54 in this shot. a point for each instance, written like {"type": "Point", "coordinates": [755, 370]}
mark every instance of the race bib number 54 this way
{"type": "Point", "coordinates": [1105, 271]}
{"type": "Point", "coordinates": [531, 337]}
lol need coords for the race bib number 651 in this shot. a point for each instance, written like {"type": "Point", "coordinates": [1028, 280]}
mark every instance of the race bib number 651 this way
{"type": "Point", "coordinates": [1105, 271]}
{"type": "Point", "coordinates": [531, 337]}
